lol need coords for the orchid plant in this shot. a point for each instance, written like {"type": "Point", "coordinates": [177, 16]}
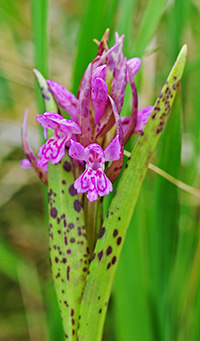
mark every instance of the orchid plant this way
{"type": "Point", "coordinates": [79, 162]}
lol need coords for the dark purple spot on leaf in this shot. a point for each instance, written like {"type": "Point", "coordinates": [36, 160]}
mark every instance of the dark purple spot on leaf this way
{"type": "Point", "coordinates": [77, 205]}
{"type": "Point", "coordinates": [109, 250]}
{"type": "Point", "coordinates": [53, 212]}
{"type": "Point", "coordinates": [109, 265]}
{"type": "Point", "coordinates": [102, 231]}
{"type": "Point", "coordinates": [119, 239]}
{"type": "Point", "coordinates": [72, 190]}
{"type": "Point", "coordinates": [100, 255]}
{"type": "Point", "coordinates": [68, 270]}
{"type": "Point", "coordinates": [115, 233]}
{"type": "Point", "coordinates": [114, 259]}
{"type": "Point", "coordinates": [67, 166]}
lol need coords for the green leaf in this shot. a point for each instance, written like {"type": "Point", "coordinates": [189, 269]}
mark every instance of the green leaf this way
{"type": "Point", "coordinates": [69, 252]}
{"type": "Point", "coordinates": [102, 269]}
{"type": "Point", "coordinates": [48, 99]}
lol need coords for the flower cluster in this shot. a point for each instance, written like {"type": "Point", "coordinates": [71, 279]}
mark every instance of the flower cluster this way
{"type": "Point", "coordinates": [96, 133]}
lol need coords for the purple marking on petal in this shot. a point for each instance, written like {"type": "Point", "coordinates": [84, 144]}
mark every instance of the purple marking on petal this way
{"type": "Point", "coordinates": [53, 150]}
{"type": "Point", "coordinates": [93, 180]}
{"type": "Point", "coordinates": [64, 98]}
{"type": "Point", "coordinates": [104, 185]}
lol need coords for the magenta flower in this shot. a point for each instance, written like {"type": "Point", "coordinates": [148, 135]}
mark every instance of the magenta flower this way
{"type": "Point", "coordinates": [100, 98]}
{"type": "Point", "coordinates": [54, 149]}
{"type": "Point", "coordinates": [95, 119]}
{"type": "Point", "coordinates": [93, 180]}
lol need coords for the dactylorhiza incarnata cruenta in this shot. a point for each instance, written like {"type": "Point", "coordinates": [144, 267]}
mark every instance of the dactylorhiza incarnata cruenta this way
{"type": "Point", "coordinates": [96, 133]}
{"type": "Point", "coordinates": [80, 160]}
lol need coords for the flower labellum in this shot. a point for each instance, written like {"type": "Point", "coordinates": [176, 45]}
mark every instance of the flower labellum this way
{"type": "Point", "coordinates": [93, 180]}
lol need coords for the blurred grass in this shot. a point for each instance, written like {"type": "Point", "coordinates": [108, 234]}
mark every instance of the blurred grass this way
{"type": "Point", "coordinates": [156, 293]}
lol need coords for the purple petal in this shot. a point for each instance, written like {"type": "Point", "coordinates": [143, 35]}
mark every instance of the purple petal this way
{"type": "Point", "coordinates": [95, 182]}
{"type": "Point", "coordinates": [103, 184]}
{"type": "Point", "coordinates": [142, 118]}
{"type": "Point", "coordinates": [64, 98]}
{"type": "Point", "coordinates": [134, 65]}
{"type": "Point", "coordinates": [100, 60]}
{"type": "Point", "coordinates": [25, 163]}
{"type": "Point", "coordinates": [49, 120]}
{"type": "Point", "coordinates": [113, 150]}
{"type": "Point", "coordinates": [29, 153]}
{"type": "Point", "coordinates": [106, 123]}
{"type": "Point", "coordinates": [57, 122]}
{"type": "Point", "coordinates": [83, 108]}
{"type": "Point", "coordinates": [99, 97]}
{"type": "Point", "coordinates": [133, 119]}
{"type": "Point", "coordinates": [76, 151]}
{"type": "Point", "coordinates": [125, 122]}
{"type": "Point", "coordinates": [53, 150]}
{"type": "Point", "coordinates": [82, 183]}
{"type": "Point", "coordinates": [116, 166]}
{"type": "Point", "coordinates": [119, 85]}
{"type": "Point", "coordinates": [100, 72]}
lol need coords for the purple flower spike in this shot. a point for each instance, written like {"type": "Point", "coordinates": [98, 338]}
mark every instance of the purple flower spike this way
{"type": "Point", "coordinates": [64, 98]}
{"type": "Point", "coordinates": [93, 180]}
{"type": "Point", "coordinates": [54, 149]}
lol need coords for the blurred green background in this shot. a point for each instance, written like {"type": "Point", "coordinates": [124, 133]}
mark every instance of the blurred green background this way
{"type": "Point", "coordinates": [156, 293]}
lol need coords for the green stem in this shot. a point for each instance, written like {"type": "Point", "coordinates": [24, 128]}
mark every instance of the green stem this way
{"type": "Point", "coordinates": [90, 216]}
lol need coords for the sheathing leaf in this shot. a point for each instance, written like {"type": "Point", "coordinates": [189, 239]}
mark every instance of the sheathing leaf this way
{"type": "Point", "coordinates": [69, 252]}
{"type": "Point", "coordinates": [111, 237]}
